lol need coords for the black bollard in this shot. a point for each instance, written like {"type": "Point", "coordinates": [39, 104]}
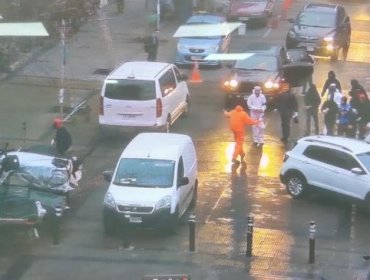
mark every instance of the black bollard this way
{"type": "Point", "coordinates": [312, 237]}
{"type": "Point", "coordinates": [191, 232]}
{"type": "Point", "coordinates": [57, 216]}
{"type": "Point", "coordinates": [125, 231]}
{"type": "Point", "coordinates": [249, 236]}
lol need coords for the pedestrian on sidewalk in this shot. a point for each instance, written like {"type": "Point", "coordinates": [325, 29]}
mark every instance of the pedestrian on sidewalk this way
{"type": "Point", "coordinates": [330, 80]}
{"type": "Point", "coordinates": [312, 102]}
{"type": "Point", "coordinates": [62, 140]}
{"type": "Point", "coordinates": [257, 105]}
{"type": "Point", "coordinates": [238, 119]}
{"type": "Point", "coordinates": [151, 43]}
{"type": "Point", "coordinates": [287, 106]}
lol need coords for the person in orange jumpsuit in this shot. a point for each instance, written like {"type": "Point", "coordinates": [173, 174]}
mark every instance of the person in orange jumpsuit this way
{"type": "Point", "coordinates": [238, 119]}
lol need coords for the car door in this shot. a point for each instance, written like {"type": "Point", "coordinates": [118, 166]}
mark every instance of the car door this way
{"type": "Point", "coordinates": [317, 167]}
{"type": "Point", "coordinates": [167, 83]}
{"type": "Point", "coordinates": [181, 89]}
{"type": "Point", "coordinates": [182, 190]}
{"type": "Point", "coordinates": [345, 181]}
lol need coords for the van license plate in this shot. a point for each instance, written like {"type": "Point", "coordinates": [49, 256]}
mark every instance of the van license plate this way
{"type": "Point", "coordinates": [310, 48]}
{"type": "Point", "coordinates": [244, 18]}
{"type": "Point", "coordinates": [135, 220]}
{"type": "Point", "coordinates": [128, 116]}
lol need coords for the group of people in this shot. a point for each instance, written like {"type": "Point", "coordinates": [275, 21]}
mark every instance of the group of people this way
{"type": "Point", "coordinates": [343, 116]}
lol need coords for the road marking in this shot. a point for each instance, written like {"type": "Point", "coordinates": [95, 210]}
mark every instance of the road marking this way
{"type": "Point", "coordinates": [267, 33]}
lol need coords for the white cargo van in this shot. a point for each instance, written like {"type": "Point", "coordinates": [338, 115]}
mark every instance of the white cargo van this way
{"type": "Point", "coordinates": [154, 182]}
{"type": "Point", "coordinates": [142, 94]}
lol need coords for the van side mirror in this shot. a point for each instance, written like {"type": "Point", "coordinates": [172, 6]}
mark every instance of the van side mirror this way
{"type": "Point", "coordinates": [184, 181]}
{"type": "Point", "coordinates": [108, 174]}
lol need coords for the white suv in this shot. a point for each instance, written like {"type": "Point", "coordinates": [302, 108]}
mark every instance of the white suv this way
{"type": "Point", "coordinates": [337, 164]}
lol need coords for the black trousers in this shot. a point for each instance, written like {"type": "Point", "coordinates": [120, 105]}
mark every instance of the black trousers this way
{"type": "Point", "coordinates": [285, 124]}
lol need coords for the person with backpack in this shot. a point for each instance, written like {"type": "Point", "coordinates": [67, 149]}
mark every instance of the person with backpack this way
{"type": "Point", "coordinates": [312, 102]}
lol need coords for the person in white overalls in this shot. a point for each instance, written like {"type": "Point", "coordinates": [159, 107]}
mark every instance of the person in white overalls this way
{"type": "Point", "coordinates": [257, 105]}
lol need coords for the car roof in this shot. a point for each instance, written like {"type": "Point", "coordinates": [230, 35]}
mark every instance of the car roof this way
{"type": "Point", "coordinates": [165, 146]}
{"type": "Point", "coordinates": [321, 7]}
{"type": "Point", "coordinates": [342, 143]}
{"type": "Point", "coordinates": [138, 69]}
{"type": "Point", "coordinates": [205, 19]}
{"type": "Point", "coordinates": [264, 47]}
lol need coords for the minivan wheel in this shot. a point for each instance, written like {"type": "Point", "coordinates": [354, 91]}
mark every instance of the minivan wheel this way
{"type": "Point", "coordinates": [296, 185]}
{"type": "Point", "coordinates": [173, 223]}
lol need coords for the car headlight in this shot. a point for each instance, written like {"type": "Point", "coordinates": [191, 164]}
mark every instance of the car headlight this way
{"type": "Point", "coordinates": [213, 49]}
{"type": "Point", "coordinates": [271, 84]}
{"type": "Point", "coordinates": [109, 200]}
{"type": "Point", "coordinates": [181, 47]}
{"type": "Point", "coordinates": [291, 34]}
{"type": "Point", "coordinates": [329, 39]}
{"type": "Point", "coordinates": [165, 202]}
{"type": "Point", "coordinates": [231, 83]}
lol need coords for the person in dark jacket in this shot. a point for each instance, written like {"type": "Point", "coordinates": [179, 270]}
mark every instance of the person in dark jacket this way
{"type": "Point", "coordinates": [332, 79]}
{"type": "Point", "coordinates": [151, 46]}
{"type": "Point", "coordinates": [62, 139]}
{"type": "Point", "coordinates": [287, 106]}
{"type": "Point", "coordinates": [356, 90]}
{"type": "Point", "coordinates": [363, 111]}
{"type": "Point", "coordinates": [330, 110]}
{"type": "Point", "coordinates": [312, 102]}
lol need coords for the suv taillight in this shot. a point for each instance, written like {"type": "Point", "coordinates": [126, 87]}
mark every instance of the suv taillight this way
{"type": "Point", "coordinates": [101, 105]}
{"type": "Point", "coordinates": [159, 108]}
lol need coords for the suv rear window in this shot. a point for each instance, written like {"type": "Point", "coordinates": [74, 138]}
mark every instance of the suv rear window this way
{"type": "Point", "coordinates": [130, 89]}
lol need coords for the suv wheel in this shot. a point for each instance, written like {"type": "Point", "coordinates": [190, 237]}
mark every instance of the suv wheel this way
{"type": "Point", "coordinates": [296, 185]}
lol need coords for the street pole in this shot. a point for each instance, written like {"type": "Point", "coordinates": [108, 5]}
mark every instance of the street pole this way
{"type": "Point", "coordinates": [158, 14]}
{"type": "Point", "coordinates": [64, 58]}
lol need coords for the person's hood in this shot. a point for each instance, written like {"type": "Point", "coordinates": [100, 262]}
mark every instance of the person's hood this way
{"type": "Point", "coordinates": [238, 108]}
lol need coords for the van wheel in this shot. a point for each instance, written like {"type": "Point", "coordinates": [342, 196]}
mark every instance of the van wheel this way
{"type": "Point", "coordinates": [186, 107]}
{"type": "Point", "coordinates": [172, 225]}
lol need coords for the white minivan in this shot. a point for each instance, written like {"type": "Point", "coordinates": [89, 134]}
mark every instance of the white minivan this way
{"type": "Point", "coordinates": [154, 182]}
{"type": "Point", "coordinates": [142, 94]}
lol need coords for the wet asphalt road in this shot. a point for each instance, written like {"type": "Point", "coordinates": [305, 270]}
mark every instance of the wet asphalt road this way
{"type": "Point", "coordinates": [225, 200]}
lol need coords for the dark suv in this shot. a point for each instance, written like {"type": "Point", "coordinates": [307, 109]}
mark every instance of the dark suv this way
{"type": "Point", "coordinates": [323, 29]}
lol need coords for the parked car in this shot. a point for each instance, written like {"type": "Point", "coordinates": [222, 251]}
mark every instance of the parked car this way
{"type": "Point", "coordinates": [190, 49]}
{"type": "Point", "coordinates": [323, 29]}
{"type": "Point", "coordinates": [250, 11]}
{"type": "Point", "coordinates": [142, 95]}
{"type": "Point", "coordinates": [269, 65]}
{"type": "Point", "coordinates": [153, 184]}
{"type": "Point", "coordinates": [336, 164]}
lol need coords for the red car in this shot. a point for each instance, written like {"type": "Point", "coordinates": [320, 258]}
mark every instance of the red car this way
{"type": "Point", "coordinates": [250, 11]}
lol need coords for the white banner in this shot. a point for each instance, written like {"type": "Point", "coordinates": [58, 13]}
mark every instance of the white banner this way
{"type": "Point", "coordinates": [23, 29]}
{"type": "Point", "coordinates": [228, 56]}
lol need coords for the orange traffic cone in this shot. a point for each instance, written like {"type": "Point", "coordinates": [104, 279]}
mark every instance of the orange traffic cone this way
{"type": "Point", "coordinates": [195, 74]}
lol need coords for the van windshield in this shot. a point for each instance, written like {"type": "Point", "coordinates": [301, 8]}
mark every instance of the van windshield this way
{"type": "Point", "coordinates": [130, 89]}
{"type": "Point", "coordinates": [145, 173]}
